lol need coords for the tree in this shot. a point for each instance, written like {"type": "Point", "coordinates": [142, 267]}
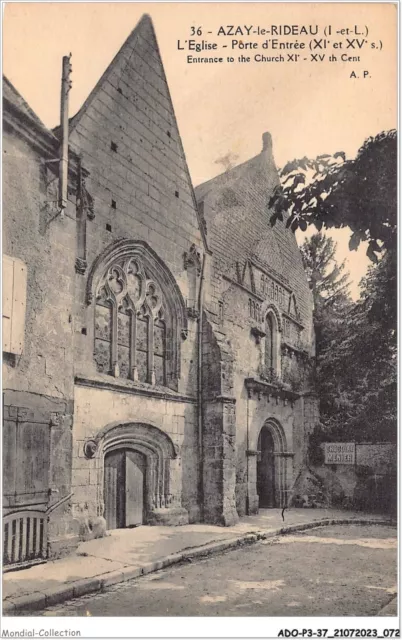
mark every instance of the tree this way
{"type": "Point", "coordinates": [356, 342]}
{"type": "Point", "coordinates": [331, 191]}
{"type": "Point", "coordinates": [329, 285]}
{"type": "Point", "coordinates": [357, 362]}
{"type": "Point", "coordinates": [326, 278]}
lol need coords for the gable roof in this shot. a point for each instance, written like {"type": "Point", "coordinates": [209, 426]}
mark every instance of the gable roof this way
{"type": "Point", "coordinates": [235, 206]}
{"type": "Point", "coordinates": [21, 119]}
{"type": "Point", "coordinates": [16, 108]}
{"type": "Point", "coordinates": [11, 94]}
{"type": "Point", "coordinates": [144, 35]}
{"type": "Point", "coordinates": [238, 222]}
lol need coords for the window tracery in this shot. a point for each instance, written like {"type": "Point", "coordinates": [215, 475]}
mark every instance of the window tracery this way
{"type": "Point", "coordinates": [136, 324]}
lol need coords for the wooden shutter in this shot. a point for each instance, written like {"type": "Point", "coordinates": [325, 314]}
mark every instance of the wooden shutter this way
{"type": "Point", "coordinates": [14, 304]}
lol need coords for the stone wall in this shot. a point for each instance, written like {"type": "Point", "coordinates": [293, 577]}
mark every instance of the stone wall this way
{"type": "Point", "coordinates": [47, 247]}
{"type": "Point", "coordinates": [370, 484]}
{"type": "Point", "coordinates": [218, 428]}
{"type": "Point", "coordinates": [38, 384]}
{"type": "Point", "coordinates": [256, 269]}
{"type": "Point", "coordinates": [292, 412]}
{"type": "Point", "coordinates": [127, 135]}
{"type": "Point", "coordinates": [96, 408]}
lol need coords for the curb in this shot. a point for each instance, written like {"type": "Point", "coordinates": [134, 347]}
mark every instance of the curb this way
{"type": "Point", "coordinates": [56, 595]}
{"type": "Point", "coordinates": [390, 609]}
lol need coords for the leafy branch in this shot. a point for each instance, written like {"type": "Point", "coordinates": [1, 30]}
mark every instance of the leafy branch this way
{"type": "Point", "coordinates": [333, 192]}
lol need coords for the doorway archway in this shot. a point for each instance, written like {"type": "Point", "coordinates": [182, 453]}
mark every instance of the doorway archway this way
{"type": "Point", "coordinates": [266, 470]}
{"type": "Point", "coordinates": [272, 455]}
{"type": "Point", "coordinates": [124, 488]}
{"type": "Point", "coordinates": [139, 476]}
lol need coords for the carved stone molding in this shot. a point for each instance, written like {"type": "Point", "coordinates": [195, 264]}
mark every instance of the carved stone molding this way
{"type": "Point", "coordinates": [81, 266]}
{"type": "Point", "coordinates": [193, 258]}
{"type": "Point", "coordinates": [257, 333]}
{"type": "Point", "coordinates": [260, 389]}
{"type": "Point", "coordinates": [193, 313]}
{"type": "Point", "coordinates": [55, 419]}
{"type": "Point", "coordinates": [90, 448]}
{"type": "Point", "coordinates": [91, 211]}
{"type": "Point", "coordinates": [132, 388]}
{"type": "Point", "coordinates": [291, 350]}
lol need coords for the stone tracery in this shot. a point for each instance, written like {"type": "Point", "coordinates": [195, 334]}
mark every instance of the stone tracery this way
{"type": "Point", "coordinates": [136, 319]}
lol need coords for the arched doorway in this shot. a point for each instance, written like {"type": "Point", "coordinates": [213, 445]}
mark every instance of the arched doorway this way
{"type": "Point", "coordinates": [273, 471]}
{"type": "Point", "coordinates": [124, 488]}
{"type": "Point", "coordinates": [266, 470]}
{"type": "Point", "coordinates": [139, 475]}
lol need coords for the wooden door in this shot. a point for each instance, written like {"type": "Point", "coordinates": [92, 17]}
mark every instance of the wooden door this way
{"type": "Point", "coordinates": [266, 470]}
{"type": "Point", "coordinates": [134, 499]}
{"type": "Point", "coordinates": [124, 489]}
{"type": "Point", "coordinates": [114, 489]}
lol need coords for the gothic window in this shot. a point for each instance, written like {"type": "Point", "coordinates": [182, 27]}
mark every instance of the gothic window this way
{"type": "Point", "coordinates": [269, 344]}
{"type": "Point", "coordinates": [137, 323]}
{"type": "Point", "coordinates": [272, 341]}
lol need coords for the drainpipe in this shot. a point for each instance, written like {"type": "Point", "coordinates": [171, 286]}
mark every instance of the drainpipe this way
{"type": "Point", "coordinates": [199, 394]}
{"type": "Point", "coordinates": [63, 165]}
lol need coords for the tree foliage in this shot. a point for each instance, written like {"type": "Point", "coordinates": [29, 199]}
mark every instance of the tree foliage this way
{"type": "Point", "coordinates": [356, 372]}
{"type": "Point", "coordinates": [331, 191]}
{"type": "Point", "coordinates": [326, 277]}
{"type": "Point", "coordinates": [356, 344]}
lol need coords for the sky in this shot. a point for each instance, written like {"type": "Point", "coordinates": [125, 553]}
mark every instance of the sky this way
{"type": "Point", "coordinates": [308, 108]}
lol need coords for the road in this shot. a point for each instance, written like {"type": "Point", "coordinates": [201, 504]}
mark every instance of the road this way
{"type": "Point", "coordinates": [329, 571]}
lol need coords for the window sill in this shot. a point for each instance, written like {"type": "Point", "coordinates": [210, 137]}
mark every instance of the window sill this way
{"type": "Point", "coordinates": [100, 381]}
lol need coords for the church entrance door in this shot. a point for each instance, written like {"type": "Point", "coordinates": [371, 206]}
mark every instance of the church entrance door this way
{"type": "Point", "coordinates": [266, 470]}
{"type": "Point", "coordinates": [124, 479]}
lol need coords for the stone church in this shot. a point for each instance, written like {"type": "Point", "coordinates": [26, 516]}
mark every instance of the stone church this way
{"type": "Point", "coordinates": [157, 339]}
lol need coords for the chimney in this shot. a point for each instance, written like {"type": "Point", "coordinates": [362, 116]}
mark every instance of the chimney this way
{"type": "Point", "coordinates": [267, 142]}
{"type": "Point", "coordinates": [63, 167]}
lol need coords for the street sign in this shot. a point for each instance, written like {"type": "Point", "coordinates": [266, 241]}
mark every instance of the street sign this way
{"type": "Point", "coordinates": [340, 452]}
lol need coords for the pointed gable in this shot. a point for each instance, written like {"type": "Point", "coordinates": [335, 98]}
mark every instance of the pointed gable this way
{"type": "Point", "coordinates": [127, 133]}
{"type": "Point", "coordinates": [238, 219]}
{"type": "Point", "coordinates": [235, 208]}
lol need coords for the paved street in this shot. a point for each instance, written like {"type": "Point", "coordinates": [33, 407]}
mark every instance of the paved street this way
{"type": "Point", "coordinates": [330, 571]}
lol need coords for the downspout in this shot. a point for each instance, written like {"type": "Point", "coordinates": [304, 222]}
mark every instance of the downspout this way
{"type": "Point", "coordinates": [199, 395]}
{"type": "Point", "coordinates": [63, 164]}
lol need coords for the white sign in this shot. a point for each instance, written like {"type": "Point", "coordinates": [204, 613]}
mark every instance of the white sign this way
{"type": "Point", "coordinates": [340, 452]}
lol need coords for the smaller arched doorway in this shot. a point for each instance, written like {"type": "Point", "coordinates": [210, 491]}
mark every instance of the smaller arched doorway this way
{"type": "Point", "coordinates": [273, 471]}
{"type": "Point", "coordinates": [266, 470]}
{"type": "Point", "coordinates": [124, 488]}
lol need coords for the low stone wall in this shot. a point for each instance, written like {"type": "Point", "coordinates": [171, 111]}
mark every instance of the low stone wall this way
{"type": "Point", "coordinates": [368, 485]}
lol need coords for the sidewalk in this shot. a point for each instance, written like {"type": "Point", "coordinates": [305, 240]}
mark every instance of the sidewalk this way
{"type": "Point", "coordinates": [125, 554]}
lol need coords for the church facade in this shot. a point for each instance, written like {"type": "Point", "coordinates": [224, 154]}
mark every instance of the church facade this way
{"type": "Point", "coordinates": [159, 337]}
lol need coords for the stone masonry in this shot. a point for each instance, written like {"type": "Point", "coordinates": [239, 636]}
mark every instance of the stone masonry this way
{"type": "Point", "coordinates": [162, 376]}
